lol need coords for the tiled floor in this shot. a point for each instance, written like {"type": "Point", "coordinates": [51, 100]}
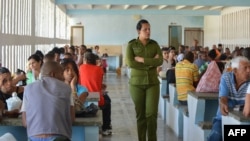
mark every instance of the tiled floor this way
{"type": "Point", "coordinates": [123, 113]}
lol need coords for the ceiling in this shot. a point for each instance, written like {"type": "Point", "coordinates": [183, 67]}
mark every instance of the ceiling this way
{"type": "Point", "coordinates": [150, 7]}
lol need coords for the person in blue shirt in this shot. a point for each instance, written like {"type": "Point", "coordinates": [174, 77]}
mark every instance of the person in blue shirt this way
{"type": "Point", "coordinates": [232, 91]}
{"type": "Point", "coordinates": [71, 76]}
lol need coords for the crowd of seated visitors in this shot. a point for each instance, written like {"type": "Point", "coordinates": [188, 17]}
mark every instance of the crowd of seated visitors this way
{"type": "Point", "coordinates": [233, 66]}
{"type": "Point", "coordinates": [70, 59]}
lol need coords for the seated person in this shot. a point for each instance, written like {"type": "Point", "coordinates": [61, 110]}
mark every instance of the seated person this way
{"type": "Point", "coordinates": [91, 76]}
{"type": "Point", "coordinates": [6, 90]}
{"type": "Point", "coordinates": [19, 79]}
{"type": "Point", "coordinates": [172, 57]}
{"type": "Point", "coordinates": [187, 77]}
{"type": "Point", "coordinates": [212, 56]}
{"type": "Point", "coordinates": [35, 63]}
{"type": "Point", "coordinates": [181, 52]}
{"type": "Point", "coordinates": [71, 77]}
{"type": "Point", "coordinates": [202, 58]}
{"type": "Point", "coordinates": [162, 70]}
{"type": "Point", "coordinates": [232, 91]}
{"type": "Point", "coordinates": [48, 108]}
{"type": "Point", "coordinates": [246, 109]}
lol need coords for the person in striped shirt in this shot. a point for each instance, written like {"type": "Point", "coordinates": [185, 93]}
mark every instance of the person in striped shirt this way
{"type": "Point", "coordinates": [187, 77]}
{"type": "Point", "coordinates": [233, 89]}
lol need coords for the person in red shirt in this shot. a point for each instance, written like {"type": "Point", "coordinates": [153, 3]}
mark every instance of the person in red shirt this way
{"type": "Point", "coordinates": [91, 76]}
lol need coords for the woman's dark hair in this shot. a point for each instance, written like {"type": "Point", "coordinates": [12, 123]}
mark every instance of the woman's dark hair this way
{"type": "Point", "coordinates": [4, 70]}
{"type": "Point", "coordinates": [36, 58]}
{"type": "Point", "coordinates": [62, 50]}
{"type": "Point", "coordinates": [165, 49]}
{"type": "Point", "coordinates": [139, 24]}
{"type": "Point", "coordinates": [67, 61]}
{"type": "Point", "coordinates": [90, 58]}
{"type": "Point", "coordinates": [56, 50]}
{"type": "Point", "coordinates": [39, 53]}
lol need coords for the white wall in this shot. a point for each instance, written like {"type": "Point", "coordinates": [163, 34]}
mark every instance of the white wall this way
{"type": "Point", "coordinates": [119, 29]}
{"type": "Point", "coordinates": [233, 32]}
{"type": "Point", "coordinates": [211, 30]}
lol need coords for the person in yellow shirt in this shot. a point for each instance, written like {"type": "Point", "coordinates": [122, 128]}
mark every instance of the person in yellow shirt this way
{"type": "Point", "coordinates": [187, 77]}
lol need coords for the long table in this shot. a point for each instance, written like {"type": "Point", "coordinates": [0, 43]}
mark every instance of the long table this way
{"type": "Point", "coordinates": [234, 117]}
{"type": "Point", "coordinates": [84, 129]}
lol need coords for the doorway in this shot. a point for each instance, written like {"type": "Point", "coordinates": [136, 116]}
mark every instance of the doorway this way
{"type": "Point", "coordinates": [175, 34]}
{"type": "Point", "coordinates": [77, 35]}
{"type": "Point", "coordinates": [193, 33]}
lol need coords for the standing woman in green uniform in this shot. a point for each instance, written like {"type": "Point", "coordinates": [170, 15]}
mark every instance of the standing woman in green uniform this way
{"type": "Point", "coordinates": [143, 55]}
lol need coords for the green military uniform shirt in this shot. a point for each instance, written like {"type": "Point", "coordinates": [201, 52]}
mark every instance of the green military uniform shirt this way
{"type": "Point", "coordinates": [143, 73]}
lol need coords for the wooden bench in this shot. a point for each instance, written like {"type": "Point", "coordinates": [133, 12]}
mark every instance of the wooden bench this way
{"type": "Point", "coordinates": [84, 129]}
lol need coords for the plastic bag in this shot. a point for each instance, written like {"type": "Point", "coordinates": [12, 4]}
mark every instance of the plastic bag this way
{"type": "Point", "coordinates": [14, 102]}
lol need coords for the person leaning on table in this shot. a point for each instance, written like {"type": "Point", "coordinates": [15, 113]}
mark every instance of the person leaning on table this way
{"type": "Point", "coordinates": [246, 109]}
{"type": "Point", "coordinates": [232, 91]}
{"type": "Point", "coordinates": [48, 108]}
{"type": "Point", "coordinates": [6, 90]}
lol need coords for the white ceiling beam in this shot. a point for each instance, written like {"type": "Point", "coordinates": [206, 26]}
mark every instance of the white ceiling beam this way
{"type": "Point", "coordinates": [126, 6]}
{"type": "Point", "coordinates": [72, 6]}
{"type": "Point", "coordinates": [90, 6]}
{"type": "Point", "coordinates": [179, 7]}
{"type": "Point", "coordinates": [144, 7]}
{"type": "Point", "coordinates": [160, 2]}
{"type": "Point", "coordinates": [141, 12]}
{"type": "Point", "coordinates": [197, 7]}
{"type": "Point", "coordinates": [162, 6]}
{"type": "Point", "coordinates": [215, 7]}
{"type": "Point", "coordinates": [108, 6]}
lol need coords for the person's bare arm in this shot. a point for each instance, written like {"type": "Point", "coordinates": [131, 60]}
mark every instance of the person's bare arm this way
{"type": "Point", "coordinates": [246, 110]}
{"type": "Point", "coordinates": [18, 78]}
{"type": "Point", "coordinates": [224, 105]}
{"type": "Point", "coordinates": [83, 96]}
{"type": "Point", "coordinates": [24, 119]}
{"type": "Point", "coordinates": [12, 114]}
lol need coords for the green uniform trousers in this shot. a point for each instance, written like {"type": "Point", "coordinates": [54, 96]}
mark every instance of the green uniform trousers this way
{"type": "Point", "coordinates": [146, 99]}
